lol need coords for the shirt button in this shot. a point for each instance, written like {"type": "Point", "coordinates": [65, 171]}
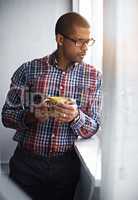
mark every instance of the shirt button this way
{"type": "Point", "coordinates": [63, 73]}
{"type": "Point", "coordinates": [61, 87]}
{"type": "Point", "coordinates": [53, 135]}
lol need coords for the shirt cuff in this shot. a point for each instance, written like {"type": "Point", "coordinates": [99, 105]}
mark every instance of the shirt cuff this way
{"type": "Point", "coordinates": [79, 122]}
{"type": "Point", "coordinates": [21, 120]}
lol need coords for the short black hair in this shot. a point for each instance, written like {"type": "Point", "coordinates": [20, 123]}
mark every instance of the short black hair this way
{"type": "Point", "coordinates": [67, 21]}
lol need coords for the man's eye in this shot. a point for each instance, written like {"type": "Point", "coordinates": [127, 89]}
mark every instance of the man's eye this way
{"type": "Point", "coordinates": [84, 41]}
{"type": "Point", "coordinates": [79, 41]}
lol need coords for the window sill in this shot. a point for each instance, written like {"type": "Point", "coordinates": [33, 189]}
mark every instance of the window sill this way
{"type": "Point", "coordinates": [89, 152]}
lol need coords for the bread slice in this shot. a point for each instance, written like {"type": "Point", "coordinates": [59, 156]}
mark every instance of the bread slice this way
{"type": "Point", "coordinates": [59, 99]}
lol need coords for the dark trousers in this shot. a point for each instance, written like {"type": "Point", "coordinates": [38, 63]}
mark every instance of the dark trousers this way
{"type": "Point", "coordinates": [45, 179]}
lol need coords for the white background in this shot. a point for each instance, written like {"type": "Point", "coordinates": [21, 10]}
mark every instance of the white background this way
{"type": "Point", "coordinates": [26, 32]}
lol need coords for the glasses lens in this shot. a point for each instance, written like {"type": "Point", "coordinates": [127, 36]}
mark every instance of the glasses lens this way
{"type": "Point", "coordinates": [91, 42]}
{"type": "Point", "coordinates": [80, 43]}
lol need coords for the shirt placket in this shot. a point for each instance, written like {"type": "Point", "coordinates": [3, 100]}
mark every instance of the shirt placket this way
{"type": "Point", "coordinates": [62, 84]}
{"type": "Point", "coordinates": [55, 138]}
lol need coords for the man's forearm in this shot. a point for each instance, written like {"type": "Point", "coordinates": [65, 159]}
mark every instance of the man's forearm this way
{"type": "Point", "coordinates": [85, 126]}
{"type": "Point", "coordinates": [30, 120]}
{"type": "Point", "coordinates": [17, 118]}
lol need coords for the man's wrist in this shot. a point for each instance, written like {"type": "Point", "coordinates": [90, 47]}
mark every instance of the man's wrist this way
{"type": "Point", "coordinates": [30, 120]}
{"type": "Point", "coordinates": [77, 117]}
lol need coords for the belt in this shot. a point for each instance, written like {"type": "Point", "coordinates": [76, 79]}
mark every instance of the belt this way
{"type": "Point", "coordinates": [55, 156]}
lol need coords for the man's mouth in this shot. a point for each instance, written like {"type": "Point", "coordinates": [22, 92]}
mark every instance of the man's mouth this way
{"type": "Point", "coordinates": [82, 55]}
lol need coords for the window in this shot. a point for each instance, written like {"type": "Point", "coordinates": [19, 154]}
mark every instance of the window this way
{"type": "Point", "coordinates": [92, 10]}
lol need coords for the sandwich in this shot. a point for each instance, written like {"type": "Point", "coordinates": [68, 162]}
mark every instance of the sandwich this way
{"type": "Point", "coordinates": [55, 100]}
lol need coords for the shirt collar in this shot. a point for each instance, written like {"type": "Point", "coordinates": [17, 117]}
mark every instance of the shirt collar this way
{"type": "Point", "coordinates": [53, 61]}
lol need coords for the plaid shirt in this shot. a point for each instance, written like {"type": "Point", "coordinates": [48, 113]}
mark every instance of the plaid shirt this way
{"type": "Point", "coordinates": [35, 80]}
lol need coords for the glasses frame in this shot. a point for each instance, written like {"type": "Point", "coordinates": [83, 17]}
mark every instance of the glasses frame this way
{"type": "Point", "coordinates": [81, 43]}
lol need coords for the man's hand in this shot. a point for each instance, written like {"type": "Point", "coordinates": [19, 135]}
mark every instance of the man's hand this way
{"type": "Point", "coordinates": [62, 112]}
{"type": "Point", "coordinates": [41, 112]}
{"type": "Point", "coordinates": [66, 112]}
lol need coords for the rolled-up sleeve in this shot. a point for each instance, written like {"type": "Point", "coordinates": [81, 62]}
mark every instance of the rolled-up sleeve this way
{"type": "Point", "coordinates": [88, 124]}
{"type": "Point", "coordinates": [13, 110]}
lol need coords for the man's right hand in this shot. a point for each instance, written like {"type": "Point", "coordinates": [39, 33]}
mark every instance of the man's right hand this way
{"type": "Point", "coordinates": [41, 112]}
{"type": "Point", "coordinates": [38, 113]}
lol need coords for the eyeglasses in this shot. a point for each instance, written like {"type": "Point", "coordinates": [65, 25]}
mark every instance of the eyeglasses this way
{"type": "Point", "coordinates": [80, 42]}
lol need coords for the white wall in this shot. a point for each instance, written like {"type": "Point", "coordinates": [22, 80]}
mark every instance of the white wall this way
{"type": "Point", "coordinates": [26, 32]}
{"type": "Point", "coordinates": [120, 130]}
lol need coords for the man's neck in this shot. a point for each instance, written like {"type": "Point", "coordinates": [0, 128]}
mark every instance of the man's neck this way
{"type": "Point", "coordinates": [62, 62]}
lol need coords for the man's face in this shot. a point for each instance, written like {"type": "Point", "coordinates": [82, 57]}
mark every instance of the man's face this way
{"type": "Point", "coordinates": [75, 45]}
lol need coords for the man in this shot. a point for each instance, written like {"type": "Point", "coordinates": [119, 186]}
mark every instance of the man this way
{"type": "Point", "coordinates": [45, 164]}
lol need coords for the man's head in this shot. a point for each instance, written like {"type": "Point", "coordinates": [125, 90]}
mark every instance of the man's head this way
{"type": "Point", "coordinates": [73, 36]}
{"type": "Point", "coordinates": [67, 22]}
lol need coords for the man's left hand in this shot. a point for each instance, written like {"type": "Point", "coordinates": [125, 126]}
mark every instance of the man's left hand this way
{"type": "Point", "coordinates": [65, 112]}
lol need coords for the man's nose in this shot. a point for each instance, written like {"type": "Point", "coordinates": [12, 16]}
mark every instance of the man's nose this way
{"type": "Point", "coordinates": [85, 46]}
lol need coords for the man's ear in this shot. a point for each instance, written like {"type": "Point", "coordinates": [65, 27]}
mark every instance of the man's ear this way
{"type": "Point", "coordinates": [59, 39]}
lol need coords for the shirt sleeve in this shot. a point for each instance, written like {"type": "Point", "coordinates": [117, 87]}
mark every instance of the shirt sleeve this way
{"type": "Point", "coordinates": [87, 125]}
{"type": "Point", "coordinates": [13, 110]}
